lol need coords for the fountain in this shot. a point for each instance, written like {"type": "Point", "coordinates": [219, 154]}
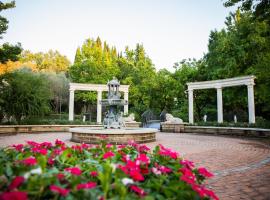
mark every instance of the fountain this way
{"type": "Point", "coordinates": [113, 130]}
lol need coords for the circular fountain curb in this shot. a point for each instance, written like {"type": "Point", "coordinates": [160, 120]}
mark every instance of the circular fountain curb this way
{"type": "Point", "coordinates": [113, 136]}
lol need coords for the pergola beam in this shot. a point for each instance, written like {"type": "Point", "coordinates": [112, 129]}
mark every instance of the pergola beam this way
{"type": "Point", "coordinates": [218, 85]}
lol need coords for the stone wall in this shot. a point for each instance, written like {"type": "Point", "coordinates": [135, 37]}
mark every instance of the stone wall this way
{"type": "Point", "coordinates": [184, 128]}
{"type": "Point", "coordinates": [15, 129]}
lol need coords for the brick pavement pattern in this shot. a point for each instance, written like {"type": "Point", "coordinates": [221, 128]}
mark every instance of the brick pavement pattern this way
{"type": "Point", "coordinates": [241, 166]}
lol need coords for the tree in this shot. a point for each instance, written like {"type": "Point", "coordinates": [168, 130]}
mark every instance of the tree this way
{"type": "Point", "coordinates": [3, 20]}
{"type": "Point", "coordinates": [10, 52]}
{"type": "Point", "coordinates": [23, 94]}
{"type": "Point", "coordinates": [51, 61]}
{"type": "Point", "coordinates": [260, 8]}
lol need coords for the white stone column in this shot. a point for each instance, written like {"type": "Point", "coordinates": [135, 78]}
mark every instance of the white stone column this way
{"type": "Point", "coordinates": [219, 105]}
{"type": "Point", "coordinates": [71, 105]}
{"type": "Point", "coordinates": [251, 105]}
{"type": "Point", "coordinates": [190, 106]}
{"type": "Point", "coordinates": [99, 107]}
{"type": "Point", "coordinates": [126, 106]}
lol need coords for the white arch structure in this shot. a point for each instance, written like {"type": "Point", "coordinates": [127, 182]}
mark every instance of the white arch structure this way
{"type": "Point", "coordinates": [93, 87]}
{"type": "Point", "coordinates": [218, 85]}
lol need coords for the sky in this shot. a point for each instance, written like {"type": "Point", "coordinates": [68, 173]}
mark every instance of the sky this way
{"type": "Point", "coordinates": [170, 30]}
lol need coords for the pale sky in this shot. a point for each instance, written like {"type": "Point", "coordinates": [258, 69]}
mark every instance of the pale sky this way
{"type": "Point", "coordinates": [170, 30]}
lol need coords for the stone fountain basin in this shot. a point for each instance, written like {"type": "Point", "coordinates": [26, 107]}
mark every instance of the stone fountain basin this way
{"type": "Point", "coordinates": [113, 136]}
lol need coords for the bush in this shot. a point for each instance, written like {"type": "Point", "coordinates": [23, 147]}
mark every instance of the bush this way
{"type": "Point", "coordinates": [105, 171]}
{"type": "Point", "coordinates": [23, 94]}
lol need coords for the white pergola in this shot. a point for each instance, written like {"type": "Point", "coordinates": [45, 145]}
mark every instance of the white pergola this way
{"type": "Point", "coordinates": [218, 85]}
{"type": "Point", "coordinates": [93, 87]}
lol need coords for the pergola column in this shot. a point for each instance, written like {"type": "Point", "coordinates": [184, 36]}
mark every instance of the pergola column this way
{"type": "Point", "coordinates": [190, 106]}
{"type": "Point", "coordinates": [126, 106]}
{"type": "Point", "coordinates": [71, 105]}
{"type": "Point", "coordinates": [251, 105]}
{"type": "Point", "coordinates": [99, 107]}
{"type": "Point", "coordinates": [219, 105]}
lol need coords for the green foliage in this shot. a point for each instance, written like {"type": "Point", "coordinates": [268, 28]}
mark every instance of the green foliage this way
{"type": "Point", "coordinates": [52, 61]}
{"type": "Point", "coordinates": [10, 52]}
{"type": "Point", "coordinates": [3, 20]}
{"type": "Point", "coordinates": [23, 94]}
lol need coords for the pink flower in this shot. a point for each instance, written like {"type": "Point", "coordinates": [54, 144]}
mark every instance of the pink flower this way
{"type": "Point", "coordinates": [109, 146]}
{"type": "Point", "coordinates": [16, 182]}
{"type": "Point", "coordinates": [108, 155]}
{"type": "Point", "coordinates": [74, 170]}
{"type": "Point", "coordinates": [46, 145]}
{"type": "Point", "coordinates": [121, 146]}
{"type": "Point", "coordinates": [77, 147]}
{"type": "Point", "coordinates": [62, 191]}
{"type": "Point", "coordinates": [94, 173]}
{"type": "Point", "coordinates": [59, 143]}
{"type": "Point", "coordinates": [156, 171]}
{"type": "Point", "coordinates": [143, 148]}
{"type": "Point", "coordinates": [57, 151]}
{"type": "Point", "coordinates": [202, 171]}
{"type": "Point", "coordinates": [203, 192]}
{"type": "Point", "coordinates": [88, 185]}
{"type": "Point", "coordinates": [18, 147]}
{"type": "Point", "coordinates": [14, 195]}
{"type": "Point", "coordinates": [85, 146]}
{"type": "Point", "coordinates": [143, 158]}
{"type": "Point", "coordinates": [32, 143]}
{"type": "Point", "coordinates": [167, 152]}
{"type": "Point", "coordinates": [39, 150]}
{"type": "Point", "coordinates": [165, 170]}
{"type": "Point", "coordinates": [188, 164]}
{"type": "Point", "coordinates": [30, 161]}
{"type": "Point", "coordinates": [138, 190]}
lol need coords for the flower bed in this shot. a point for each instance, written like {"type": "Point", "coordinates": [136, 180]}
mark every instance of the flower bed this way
{"type": "Point", "coordinates": [105, 171]}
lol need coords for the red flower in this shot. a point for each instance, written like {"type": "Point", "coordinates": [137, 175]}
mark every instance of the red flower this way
{"type": "Point", "coordinates": [204, 172]}
{"type": "Point", "coordinates": [60, 176]}
{"type": "Point", "coordinates": [203, 192]}
{"type": "Point", "coordinates": [187, 176]}
{"type": "Point", "coordinates": [50, 161]}
{"type": "Point", "coordinates": [74, 170]}
{"type": "Point", "coordinates": [138, 190]}
{"type": "Point", "coordinates": [188, 164]}
{"type": "Point", "coordinates": [165, 170]}
{"type": "Point", "coordinates": [14, 195]}
{"type": "Point", "coordinates": [32, 143]}
{"type": "Point", "coordinates": [46, 145]}
{"type": "Point", "coordinates": [39, 150]}
{"type": "Point", "coordinates": [121, 146]}
{"type": "Point", "coordinates": [88, 185]}
{"type": "Point", "coordinates": [62, 191]}
{"type": "Point", "coordinates": [94, 173]}
{"type": "Point", "coordinates": [136, 175]}
{"type": "Point", "coordinates": [143, 148]}
{"type": "Point", "coordinates": [56, 151]}
{"type": "Point", "coordinates": [167, 152]}
{"type": "Point", "coordinates": [108, 155]}
{"type": "Point", "coordinates": [16, 182]}
{"type": "Point", "coordinates": [59, 143]}
{"type": "Point", "coordinates": [30, 161]}
{"type": "Point", "coordinates": [18, 147]}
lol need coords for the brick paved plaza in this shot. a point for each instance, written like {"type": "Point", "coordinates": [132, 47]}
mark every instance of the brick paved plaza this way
{"type": "Point", "coordinates": [241, 166]}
